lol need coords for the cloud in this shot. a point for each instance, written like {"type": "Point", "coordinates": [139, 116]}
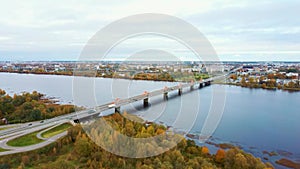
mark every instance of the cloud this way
{"type": "Point", "coordinates": [52, 29]}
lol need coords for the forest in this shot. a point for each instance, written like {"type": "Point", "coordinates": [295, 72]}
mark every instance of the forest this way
{"type": "Point", "coordinates": [266, 82]}
{"type": "Point", "coordinates": [27, 107]}
{"type": "Point", "coordinates": [77, 150]}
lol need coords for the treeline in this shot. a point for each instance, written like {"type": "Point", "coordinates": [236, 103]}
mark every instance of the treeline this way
{"type": "Point", "coordinates": [29, 107]}
{"type": "Point", "coordinates": [174, 76]}
{"type": "Point", "coordinates": [154, 76]}
{"type": "Point", "coordinates": [189, 76]}
{"type": "Point", "coordinates": [160, 76]}
{"type": "Point", "coordinates": [40, 71]}
{"type": "Point", "coordinates": [76, 150]}
{"type": "Point", "coordinates": [268, 82]}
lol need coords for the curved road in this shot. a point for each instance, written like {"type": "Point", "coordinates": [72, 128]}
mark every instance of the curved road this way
{"type": "Point", "coordinates": [43, 128]}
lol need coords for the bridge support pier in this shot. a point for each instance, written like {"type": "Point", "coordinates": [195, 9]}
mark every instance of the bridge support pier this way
{"type": "Point", "coordinates": [146, 102]}
{"type": "Point", "coordinates": [166, 96]}
{"type": "Point", "coordinates": [179, 91]}
{"type": "Point", "coordinates": [192, 87]}
{"type": "Point", "coordinates": [207, 83]}
{"type": "Point", "coordinates": [200, 85]}
{"type": "Point", "coordinates": [117, 109]}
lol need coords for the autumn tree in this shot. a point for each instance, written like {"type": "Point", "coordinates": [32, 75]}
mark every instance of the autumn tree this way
{"type": "Point", "coordinates": [243, 82]}
{"type": "Point", "coordinates": [204, 150]}
{"type": "Point", "coordinates": [30, 107]}
{"type": "Point", "coordinates": [25, 159]}
{"type": "Point", "coordinates": [76, 150]}
{"type": "Point", "coordinates": [261, 78]}
{"type": "Point", "coordinates": [251, 80]}
{"type": "Point", "coordinates": [220, 155]}
{"type": "Point", "coordinates": [240, 162]}
{"type": "Point", "coordinates": [291, 84]}
{"type": "Point", "coordinates": [270, 76]}
{"type": "Point", "coordinates": [233, 76]}
{"type": "Point", "coordinates": [2, 92]}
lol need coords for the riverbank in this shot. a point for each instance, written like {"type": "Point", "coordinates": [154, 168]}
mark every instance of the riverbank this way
{"type": "Point", "coordinates": [27, 107]}
{"type": "Point", "coordinates": [278, 158]}
{"type": "Point", "coordinates": [163, 77]}
{"type": "Point", "coordinates": [260, 87]}
{"type": "Point", "coordinates": [140, 77]}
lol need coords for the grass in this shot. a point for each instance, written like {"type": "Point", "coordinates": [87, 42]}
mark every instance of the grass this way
{"type": "Point", "coordinates": [2, 150]}
{"type": "Point", "coordinates": [4, 128]}
{"type": "Point", "coordinates": [25, 140]}
{"type": "Point", "coordinates": [56, 130]}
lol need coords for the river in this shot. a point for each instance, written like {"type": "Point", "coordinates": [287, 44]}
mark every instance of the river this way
{"type": "Point", "coordinates": [254, 119]}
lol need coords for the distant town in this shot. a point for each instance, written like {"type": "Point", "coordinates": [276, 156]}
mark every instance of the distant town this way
{"type": "Point", "coordinates": [272, 75]}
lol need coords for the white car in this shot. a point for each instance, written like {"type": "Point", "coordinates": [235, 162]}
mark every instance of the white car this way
{"type": "Point", "coordinates": [111, 105]}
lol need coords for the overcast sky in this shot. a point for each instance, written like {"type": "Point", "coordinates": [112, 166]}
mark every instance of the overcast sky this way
{"type": "Point", "coordinates": [238, 30]}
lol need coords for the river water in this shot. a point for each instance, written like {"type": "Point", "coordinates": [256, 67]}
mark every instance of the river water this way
{"type": "Point", "coordinates": [254, 119]}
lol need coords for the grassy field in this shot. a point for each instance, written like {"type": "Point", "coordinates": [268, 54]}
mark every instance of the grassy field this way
{"type": "Point", "coordinates": [25, 140]}
{"type": "Point", "coordinates": [56, 130]}
{"type": "Point", "coordinates": [4, 128]}
{"type": "Point", "coordinates": [1, 149]}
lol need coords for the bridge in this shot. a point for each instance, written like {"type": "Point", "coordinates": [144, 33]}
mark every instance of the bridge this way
{"type": "Point", "coordinates": [18, 130]}
{"type": "Point", "coordinates": [146, 95]}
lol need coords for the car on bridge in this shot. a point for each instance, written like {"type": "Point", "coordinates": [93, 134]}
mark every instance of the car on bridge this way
{"type": "Point", "coordinates": [112, 105]}
{"type": "Point", "coordinates": [146, 93]}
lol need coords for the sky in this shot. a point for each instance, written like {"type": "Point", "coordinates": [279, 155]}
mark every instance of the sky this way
{"type": "Point", "coordinates": [238, 30]}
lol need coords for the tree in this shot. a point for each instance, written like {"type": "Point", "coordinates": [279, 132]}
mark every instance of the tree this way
{"type": "Point", "coordinates": [233, 76]}
{"type": "Point", "coordinates": [240, 162]}
{"type": "Point", "coordinates": [291, 84]}
{"type": "Point", "coordinates": [129, 128]}
{"type": "Point", "coordinates": [204, 150]}
{"type": "Point", "coordinates": [261, 78]}
{"type": "Point", "coordinates": [220, 155]}
{"type": "Point", "coordinates": [2, 92]}
{"type": "Point", "coordinates": [270, 76]}
{"type": "Point", "coordinates": [279, 86]}
{"type": "Point", "coordinates": [82, 147]}
{"type": "Point", "coordinates": [35, 115]}
{"type": "Point", "coordinates": [251, 80]}
{"type": "Point", "coordinates": [21, 166]}
{"type": "Point", "coordinates": [243, 82]}
{"type": "Point", "coordinates": [25, 159]}
{"type": "Point", "coordinates": [54, 150]}
{"type": "Point", "coordinates": [272, 83]}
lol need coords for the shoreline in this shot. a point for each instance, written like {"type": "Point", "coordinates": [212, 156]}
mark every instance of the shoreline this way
{"type": "Point", "coordinates": [66, 74]}
{"type": "Point", "coordinates": [78, 75]}
{"type": "Point", "coordinates": [154, 80]}
{"type": "Point", "coordinates": [275, 157]}
{"type": "Point", "coordinates": [267, 88]}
